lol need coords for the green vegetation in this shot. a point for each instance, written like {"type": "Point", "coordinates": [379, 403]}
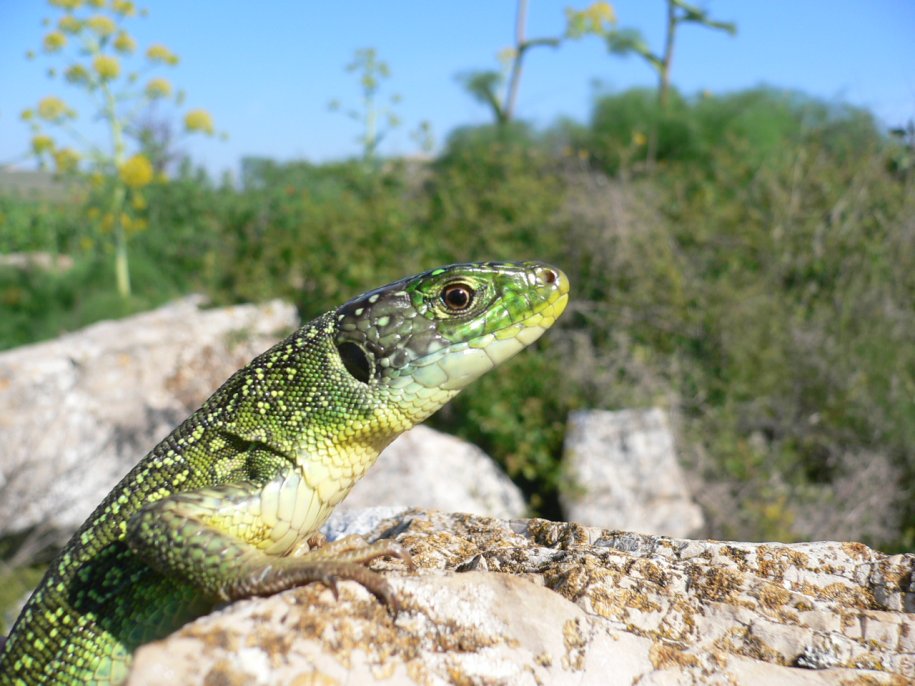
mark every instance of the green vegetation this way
{"type": "Point", "coordinates": [757, 280]}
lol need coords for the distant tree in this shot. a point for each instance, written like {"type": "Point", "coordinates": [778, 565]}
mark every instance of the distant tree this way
{"type": "Point", "coordinates": [255, 171]}
{"type": "Point", "coordinates": [483, 86]}
{"type": "Point", "coordinates": [902, 157]}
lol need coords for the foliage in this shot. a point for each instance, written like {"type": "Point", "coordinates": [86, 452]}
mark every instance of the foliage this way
{"type": "Point", "coordinates": [14, 584]}
{"type": "Point", "coordinates": [483, 86]}
{"type": "Point", "coordinates": [760, 123]}
{"type": "Point", "coordinates": [492, 195]}
{"type": "Point", "coordinates": [770, 288]}
{"type": "Point", "coordinates": [37, 305]}
{"type": "Point", "coordinates": [32, 225]}
{"type": "Point", "coordinates": [757, 282]}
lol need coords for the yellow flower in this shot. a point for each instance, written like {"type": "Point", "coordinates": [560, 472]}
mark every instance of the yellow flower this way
{"type": "Point", "coordinates": [124, 7]}
{"type": "Point", "coordinates": [65, 159]}
{"type": "Point", "coordinates": [199, 120]}
{"type": "Point", "coordinates": [54, 41]}
{"type": "Point", "coordinates": [639, 138]}
{"type": "Point", "coordinates": [139, 223]}
{"type": "Point", "coordinates": [98, 4]}
{"type": "Point", "coordinates": [69, 24]}
{"type": "Point", "coordinates": [53, 109]}
{"type": "Point", "coordinates": [97, 179]}
{"type": "Point", "coordinates": [93, 213]}
{"type": "Point", "coordinates": [101, 24]}
{"type": "Point", "coordinates": [66, 4]}
{"type": "Point", "coordinates": [125, 220]}
{"type": "Point", "coordinates": [158, 88]}
{"type": "Point", "coordinates": [159, 53]}
{"type": "Point", "coordinates": [106, 67]}
{"type": "Point", "coordinates": [596, 19]}
{"type": "Point", "coordinates": [76, 74]}
{"type": "Point", "coordinates": [600, 12]}
{"type": "Point", "coordinates": [42, 144]}
{"type": "Point", "coordinates": [506, 55]}
{"type": "Point", "coordinates": [138, 202]}
{"type": "Point", "coordinates": [136, 172]}
{"type": "Point", "coordinates": [124, 43]}
{"type": "Point", "coordinates": [27, 115]}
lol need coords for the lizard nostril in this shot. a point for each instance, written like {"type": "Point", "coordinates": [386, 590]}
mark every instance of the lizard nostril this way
{"type": "Point", "coordinates": [548, 275]}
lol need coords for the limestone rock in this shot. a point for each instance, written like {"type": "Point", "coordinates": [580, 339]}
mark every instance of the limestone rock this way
{"type": "Point", "coordinates": [625, 474]}
{"type": "Point", "coordinates": [37, 260]}
{"type": "Point", "coordinates": [427, 468]}
{"type": "Point", "coordinates": [536, 602]}
{"type": "Point", "coordinates": [78, 412]}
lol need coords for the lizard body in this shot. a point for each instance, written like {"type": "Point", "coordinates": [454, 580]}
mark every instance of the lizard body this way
{"type": "Point", "coordinates": [225, 506]}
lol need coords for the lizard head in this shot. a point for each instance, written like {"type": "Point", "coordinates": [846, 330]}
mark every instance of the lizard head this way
{"type": "Point", "coordinates": [420, 340]}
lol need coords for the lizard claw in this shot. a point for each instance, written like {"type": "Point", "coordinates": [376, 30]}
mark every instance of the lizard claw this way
{"type": "Point", "coordinates": [330, 580]}
{"type": "Point", "coordinates": [398, 551]}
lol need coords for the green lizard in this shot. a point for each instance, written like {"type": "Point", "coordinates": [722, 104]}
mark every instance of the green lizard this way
{"type": "Point", "coordinates": [229, 504]}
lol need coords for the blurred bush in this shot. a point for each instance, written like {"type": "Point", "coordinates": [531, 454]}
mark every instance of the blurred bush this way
{"type": "Point", "coordinates": [757, 281]}
{"type": "Point", "coordinates": [757, 123]}
{"type": "Point", "coordinates": [773, 290]}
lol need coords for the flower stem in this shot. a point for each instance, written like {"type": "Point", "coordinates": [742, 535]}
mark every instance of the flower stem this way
{"type": "Point", "coordinates": [121, 262]}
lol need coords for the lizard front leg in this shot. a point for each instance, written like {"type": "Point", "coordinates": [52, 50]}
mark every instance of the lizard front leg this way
{"type": "Point", "coordinates": [232, 541]}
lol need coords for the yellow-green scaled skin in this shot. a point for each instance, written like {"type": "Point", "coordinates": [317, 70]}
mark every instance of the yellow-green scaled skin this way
{"type": "Point", "coordinates": [220, 508]}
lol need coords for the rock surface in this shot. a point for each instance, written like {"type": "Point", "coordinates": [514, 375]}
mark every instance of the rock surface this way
{"type": "Point", "coordinates": [536, 602]}
{"type": "Point", "coordinates": [37, 260]}
{"type": "Point", "coordinates": [625, 474]}
{"type": "Point", "coordinates": [427, 468]}
{"type": "Point", "coordinates": [78, 412]}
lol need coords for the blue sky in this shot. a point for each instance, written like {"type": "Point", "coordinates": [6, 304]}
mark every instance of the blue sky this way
{"type": "Point", "coordinates": [266, 71]}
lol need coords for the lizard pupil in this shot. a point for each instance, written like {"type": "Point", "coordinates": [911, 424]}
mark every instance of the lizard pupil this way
{"type": "Point", "coordinates": [356, 361]}
{"type": "Point", "coordinates": [457, 296]}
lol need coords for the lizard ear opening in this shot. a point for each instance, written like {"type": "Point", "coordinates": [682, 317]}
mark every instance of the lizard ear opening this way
{"type": "Point", "coordinates": [356, 361]}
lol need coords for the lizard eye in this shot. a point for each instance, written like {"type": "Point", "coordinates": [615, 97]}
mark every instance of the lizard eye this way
{"type": "Point", "coordinates": [457, 297]}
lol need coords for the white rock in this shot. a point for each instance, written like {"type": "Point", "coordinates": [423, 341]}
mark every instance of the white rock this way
{"type": "Point", "coordinates": [625, 474]}
{"type": "Point", "coordinates": [563, 604]}
{"type": "Point", "coordinates": [78, 412]}
{"type": "Point", "coordinates": [429, 469]}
